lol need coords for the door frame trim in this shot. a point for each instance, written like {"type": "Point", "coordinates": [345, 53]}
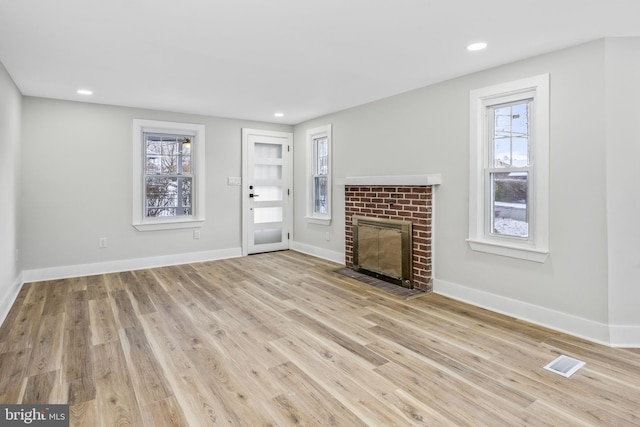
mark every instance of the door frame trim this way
{"type": "Point", "coordinates": [246, 132]}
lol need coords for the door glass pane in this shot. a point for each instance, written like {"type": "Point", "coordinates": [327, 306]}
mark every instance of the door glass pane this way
{"type": "Point", "coordinates": [510, 211]}
{"type": "Point", "coordinates": [268, 151]}
{"type": "Point", "coordinates": [262, 215]}
{"type": "Point", "coordinates": [267, 172]}
{"type": "Point", "coordinates": [269, 193]}
{"type": "Point", "coordinates": [263, 237]}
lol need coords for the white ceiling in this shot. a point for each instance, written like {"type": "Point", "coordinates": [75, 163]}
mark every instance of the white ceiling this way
{"type": "Point", "coordinates": [248, 59]}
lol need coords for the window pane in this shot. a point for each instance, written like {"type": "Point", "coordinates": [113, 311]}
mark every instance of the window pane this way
{"type": "Point", "coordinates": [511, 135]}
{"type": "Point", "coordinates": [168, 196]}
{"type": "Point", "coordinates": [186, 165]}
{"type": "Point", "coordinates": [322, 156]}
{"type": "Point", "coordinates": [169, 165]}
{"type": "Point", "coordinates": [510, 211]}
{"type": "Point", "coordinates": [320, 195]}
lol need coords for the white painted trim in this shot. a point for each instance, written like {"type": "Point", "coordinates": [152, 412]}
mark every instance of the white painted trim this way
{"type": "Point", "coordinates": [10, 297]}
{"type": "Point", "coordinates": [500, 248]}
{"type": "Point", "coordinates": [312, 134]}
{"type": "Point", "coordinates": [624, 336]}
{"type": "Point", "coordinates": [64, 272]}
{"type": "Point", "coordinates": [287, 180]}
{"type": "Point", "coordinates": [319, 252]}
{"type": "Point", "coordinates": [318, 221]}
{"type": "Point", "coordinates": [168, 225]}
{"type": "Point", "coordinates": [556, 320]}
{"type": "Point", "coordinates": [537, 248]}
{"type": "Point", "coordinates": [139, 221]}
{"type": "Point", "coordinates": [431, 179]}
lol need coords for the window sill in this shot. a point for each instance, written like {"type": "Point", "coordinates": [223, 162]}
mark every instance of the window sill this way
{"type": "Point", "coordinates": [512, 251]}
{"type": "Point", "coordinates": [319, 221]}
{"type": "Point", "coordinates": [168, 225]}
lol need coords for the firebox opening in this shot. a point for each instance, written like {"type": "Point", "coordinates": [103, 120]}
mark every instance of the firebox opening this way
{"type": "Point", "coordinates": [382, 249]}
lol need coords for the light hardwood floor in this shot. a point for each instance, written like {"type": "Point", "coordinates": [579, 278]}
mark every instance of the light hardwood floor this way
{"type": "Point", "coordinates": [281, 339]}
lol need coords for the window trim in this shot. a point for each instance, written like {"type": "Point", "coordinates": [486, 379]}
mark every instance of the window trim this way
{"type": "Point", "coordinates": [536, 247]}
{"type": "Point", "coordinates": [312, 134]}
{"type": "Point", "coordinates": [140, 221]}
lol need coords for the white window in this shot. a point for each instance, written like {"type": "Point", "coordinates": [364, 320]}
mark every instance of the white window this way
{"type": "Point", "coordinates": [319, 170]}
{"type": "Point", "coordinates": [509, 176]}
{"type": "Point", "coordinates": [168, 175]}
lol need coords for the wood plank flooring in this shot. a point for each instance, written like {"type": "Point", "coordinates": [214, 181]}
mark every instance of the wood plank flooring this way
{"type": "Point", "coordinates": [280, 339]}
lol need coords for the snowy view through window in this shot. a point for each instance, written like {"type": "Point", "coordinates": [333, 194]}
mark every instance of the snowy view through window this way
{"type": "Point", "coordinates": [168, 179]}
{"type": "Point", "coordinates": [509, 174]}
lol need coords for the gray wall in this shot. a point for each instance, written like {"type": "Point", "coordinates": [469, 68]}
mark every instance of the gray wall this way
{"type": "Point", "coordinates": [427, 131]}
{"type": "Point", "coordinates": [77, 176]}
{"type": "Point", "coordinates": [623, 180]}
{"type": "Point", "coordinates": [10, 116]}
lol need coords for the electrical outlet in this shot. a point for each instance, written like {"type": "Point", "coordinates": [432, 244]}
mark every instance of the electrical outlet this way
{"type": "Point", "coordinates": [102, 242]}
{"type": "Point", "coordinates": [196, 233]}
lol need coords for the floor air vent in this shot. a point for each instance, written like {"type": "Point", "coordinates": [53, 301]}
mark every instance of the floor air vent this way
{"type": "Point", "coordinates": [565, 366]}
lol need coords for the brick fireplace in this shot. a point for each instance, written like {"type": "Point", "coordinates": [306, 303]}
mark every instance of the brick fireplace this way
{"type": "Point", "coordinates": [400, 198]}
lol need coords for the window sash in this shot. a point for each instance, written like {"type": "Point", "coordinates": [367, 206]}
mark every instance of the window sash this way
{"type": "Point", "coordinates": [319, 175]}
{"type": "Point", "coordinates": [321, 156]}
{"type": "Point", "coordinates": [514, 224]}
{"type": "Point", "coordinates": [507, 210]}
{"type": "Point", "coordinates": [168, 180]}
{"type": "Point", "coordinates": [320, 172]}
{"type": "Point", "coordinates": [492, 159]}
{"type": "Point", "coordinates": [320, 195]}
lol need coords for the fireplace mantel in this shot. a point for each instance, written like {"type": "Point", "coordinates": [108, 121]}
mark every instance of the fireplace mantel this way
{"type": "Point", "coordinates": [393, 180]}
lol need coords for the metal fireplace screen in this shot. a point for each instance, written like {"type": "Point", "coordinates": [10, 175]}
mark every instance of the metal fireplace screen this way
{"type": "Point", "coordinates": [382, 249]}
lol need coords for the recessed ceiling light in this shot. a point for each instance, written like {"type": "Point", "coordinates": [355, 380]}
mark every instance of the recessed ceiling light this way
{"type": "Point", "coordinates": [278, 114]}
{"type": "Point", "coordinates": [85, 92]}
{"type": "Point", "coordinates": [477, 46]}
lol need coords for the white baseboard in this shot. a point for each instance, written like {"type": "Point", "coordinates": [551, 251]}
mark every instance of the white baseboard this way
{"type": "Point", "coordinates": [624, 336]}
{"type": "Point", "coordinates": [562, 322]}
{"type": "Point", "coordinates": [9, 298]}
{"type": "Point", "coordinates": [53, 273]}
{"type": "Point", "coordinates": [318, 252]}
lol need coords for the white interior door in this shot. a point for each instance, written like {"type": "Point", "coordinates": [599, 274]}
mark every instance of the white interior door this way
{"type": "Point", "coordinates": [267, 178]}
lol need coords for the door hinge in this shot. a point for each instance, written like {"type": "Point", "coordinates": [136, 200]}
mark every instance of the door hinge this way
{"type": "Point", "coordinates": [288, 192]}
{"type": "Point", "coordinates": [288, 148]}
{"type": "Point", "coordinates": [288, 237]}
